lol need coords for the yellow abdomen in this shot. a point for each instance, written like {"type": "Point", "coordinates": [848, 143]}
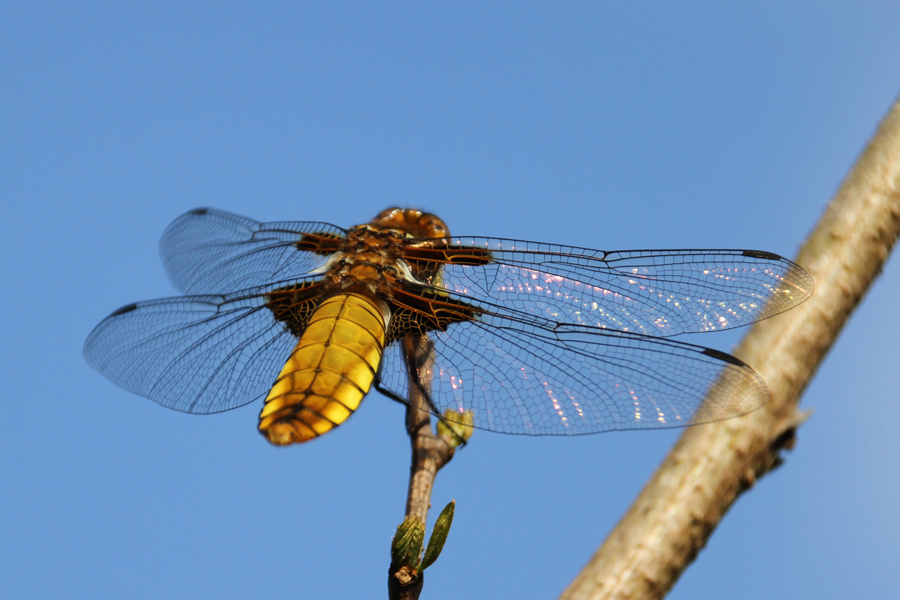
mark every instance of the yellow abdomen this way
{"type": "Point", "coordinates": [329, 372]}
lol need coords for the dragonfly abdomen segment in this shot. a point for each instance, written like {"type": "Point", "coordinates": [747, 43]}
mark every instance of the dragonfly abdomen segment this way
{"type": "Point", "coordinates": [329, 372]}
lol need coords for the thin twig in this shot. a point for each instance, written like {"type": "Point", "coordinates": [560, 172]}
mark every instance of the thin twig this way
{"type": "Point", "coordinates": [712, 465]}
{"type": "Point", "coordinates": [430, 452]}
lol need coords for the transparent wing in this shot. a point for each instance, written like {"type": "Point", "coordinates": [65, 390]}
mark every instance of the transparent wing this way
{"type": "Point", "coordinates": [197, 354]}
{"type": "Point", "coordinates": [520, 378]}
{"type": "Point", "coordinates": [209, 251]}
{"type": "Point", "coordinates": [653, 292]}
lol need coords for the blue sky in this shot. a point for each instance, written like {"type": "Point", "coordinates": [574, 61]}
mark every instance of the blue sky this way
{"type": "Point", "coordinates": [609, 126]}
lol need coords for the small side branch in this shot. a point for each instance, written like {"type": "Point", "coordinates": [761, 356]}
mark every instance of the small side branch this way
{"type": "Point", "coordinates": [711, 465]}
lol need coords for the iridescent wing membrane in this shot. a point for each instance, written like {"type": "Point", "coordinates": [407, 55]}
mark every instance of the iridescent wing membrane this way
{"type": "Point", "coordinates": [541, 338]}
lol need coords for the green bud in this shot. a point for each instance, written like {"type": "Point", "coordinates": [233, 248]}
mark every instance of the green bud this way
{"type": "Point", "coordinates": [438, 536]}
{"type": "Point", "coordinates": [407, 545]}
{"type": "Point", "coordinates": [456, 426]}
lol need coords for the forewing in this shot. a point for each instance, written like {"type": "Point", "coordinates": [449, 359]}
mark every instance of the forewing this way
{"type": "Point", "coordinates": [653, 292]}
{"type": "Point", "coordinates": [520, 378]}
{"type": "Point", "coordinates": [197, 354]}
{"type": "Point", "coordinates": [209, 251]}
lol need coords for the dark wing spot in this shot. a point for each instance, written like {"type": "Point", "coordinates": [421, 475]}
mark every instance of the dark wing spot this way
{"type": "Point", "coordinates": [761, 254]}
{"type": "Point", "coordinates": [294, 305]}
{"type": "Point", "coordinates": [725, 357]}
{"type": "Point", "coordinates": [125, 309]}
{"type": "Point", "coordinates": [324, 243]}
{"type": "Point", "coordinates": [418, 310]}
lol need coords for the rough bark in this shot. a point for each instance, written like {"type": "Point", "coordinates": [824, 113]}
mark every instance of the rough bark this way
{"type": "Point", "coordinates": [711, 465]}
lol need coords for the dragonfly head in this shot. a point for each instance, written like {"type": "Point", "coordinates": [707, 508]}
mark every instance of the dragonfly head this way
{"type": "Point", "coordinates": [412, 222]}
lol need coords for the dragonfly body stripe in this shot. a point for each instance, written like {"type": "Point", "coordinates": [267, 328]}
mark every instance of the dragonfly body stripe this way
{"type": "Point", "coordinates": [329, 372]}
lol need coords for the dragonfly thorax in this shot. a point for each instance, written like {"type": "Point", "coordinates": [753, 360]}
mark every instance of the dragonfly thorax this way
{"type": "Point", "coordinates": [369, 262]}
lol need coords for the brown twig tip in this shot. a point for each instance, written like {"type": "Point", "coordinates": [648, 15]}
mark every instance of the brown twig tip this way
{"type": "Point", "coordinates": [405, 584]}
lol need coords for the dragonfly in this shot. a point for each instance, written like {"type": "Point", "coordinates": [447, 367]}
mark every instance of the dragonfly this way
{"type": "Point", "coordinates": [520, 337]}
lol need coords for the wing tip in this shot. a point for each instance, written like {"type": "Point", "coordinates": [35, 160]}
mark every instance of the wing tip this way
{"type": "Point", "coordinates": [737, 392]}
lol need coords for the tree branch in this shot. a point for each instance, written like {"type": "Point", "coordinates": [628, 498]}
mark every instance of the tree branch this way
{"type": "Point", "coordinates": [711, 465]}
